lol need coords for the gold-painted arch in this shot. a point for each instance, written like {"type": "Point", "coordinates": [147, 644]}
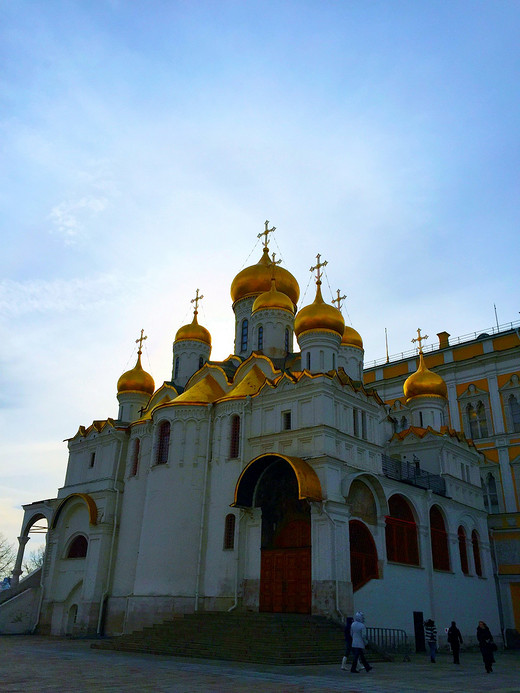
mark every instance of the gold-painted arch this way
{"type": "Point", "coordinates": [88, 500]}
{"type": "Point", "coordinates": [309, 486]}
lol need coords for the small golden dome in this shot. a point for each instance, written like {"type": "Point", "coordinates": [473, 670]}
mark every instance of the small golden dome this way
{"type": "Point", "coordinates": [193, 331]}
{"type": "Point", "coordinates": [256, 280]}
{"type": "Point", "coordinates": [424, 383]}
{"type": "Point", "coordinates": [273, 299]}
{"type": "Point", "coordinates": [136, 380]}
{"type": "Point", "coordinates": [351, 338]}
{"type": "Point", "coordinates": [319, 316]}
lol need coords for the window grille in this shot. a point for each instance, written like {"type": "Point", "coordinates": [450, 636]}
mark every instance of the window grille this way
{"type": "Point", "coordinates": [401, 533]}
{"type": "Point", "coordinates": [439, 540]}
{"type": "Point", "coordinates": [243, 340]}
{"type": "Point", "coordinates": [163, 443]}
{"type": "Point", "coordinates": [229, 532]}
{"type": "Point", "coordinates": [135, 457]}
{"type": "Point", "coordinates": [514, 410]}
{"type": "Point", "coordinates": [463, 550]}
{"type": "Point", "coordinates": [476, 552]}
{"type": "Point", "coordinates": [286, 339]}
{"type": "Point", "coordinates": [260, 338]}
{"type": "Point", "coordinates": [176, 374]}
{"type": "Point", "coordinates": [234, 443]}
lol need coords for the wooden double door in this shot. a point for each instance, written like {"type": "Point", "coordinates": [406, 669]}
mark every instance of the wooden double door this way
{"type": "Point", "coordinates": [285, 574]}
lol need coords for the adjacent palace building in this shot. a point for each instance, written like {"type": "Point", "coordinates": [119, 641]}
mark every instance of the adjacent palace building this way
{"type": "Point", "coordinates": [289, 478]}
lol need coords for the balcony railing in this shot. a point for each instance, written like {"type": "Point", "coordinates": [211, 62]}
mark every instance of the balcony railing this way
{"type": "Point", "coordinates": [412, 474]}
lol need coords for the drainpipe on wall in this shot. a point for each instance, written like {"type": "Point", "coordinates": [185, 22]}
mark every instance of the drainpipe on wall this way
{"type": "Point", "coordinates": [115, 488]}
{"type": "Point", "coordinates": [245, 409]}
{"type": "Point", "coordinates": [203, 507]}
{"type": "Point", "coordinates": [326, 513]}
{"type": "Point", "coordinates": [497, 587]}
{"type": "Point", "coordinates": [40, 601]}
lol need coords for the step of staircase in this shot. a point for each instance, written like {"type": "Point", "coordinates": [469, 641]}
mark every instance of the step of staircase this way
{"type": "Point", "coordinates": [241, 637]}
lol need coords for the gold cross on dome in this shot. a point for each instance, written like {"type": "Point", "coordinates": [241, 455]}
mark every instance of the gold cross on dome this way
{"type": "Point", "coordinates": [318, 267]}
{"type": "Point", "coordinates": [339, 299]}
{"type": "Point", "coordinates": [140, 341]}
{"type": "Point", "coordinates": [274, 261]}
{"type": "Point", "coordinates": [196, 300]}
{"type": "Point", "coordinates": [266, 233]}
{"type": "Point", "coordinates": [420, 338]}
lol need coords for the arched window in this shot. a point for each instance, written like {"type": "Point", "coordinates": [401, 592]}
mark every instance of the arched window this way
{"type": "Point", "coordinates": [490, 494]}
{"type": "Point", "coordinates": [514, 411]}
{"type": "Point", "coordinates": [78, 547]}
{"type": "Point", "coordinates": [401, 532]}
{"type": "Point", "coordinates": [135, 457]}
{"type": "Point", "coordinates": [439, 540]}
{"type": "Point", "coordinates": [243, 338]}
{"type": "Point", "coordinates": [234, 440]}
{"type": "Point", "coordinates": [229, 532]}
{"type": "Point", "coordinates": [176, 373]}
{"type": "Point", "coordinates": [163, 443]}
{"type": "Point", "coordinates": [201, 362]}
{"type": "Point", "coordinates": [363, 555]}
{"type": "Point", "coordinates": [463, 550]}
{"type": "Point", "coordinates": [287, 339]}
{"type": "Point", "coordinates": [476, 552]}
{"type": "Point", "coordinates": [477, 420]}
{"type": "Point", "coordinates": [260, 338]}
{"type": "Point", "coordinates": [308, 360]}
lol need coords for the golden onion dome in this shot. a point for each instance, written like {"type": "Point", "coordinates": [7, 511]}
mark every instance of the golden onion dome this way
{"type": "Point", "coordinates": [424, 383]}
{"type": "Point", "coordinates": [256, 279]}
{"type": "Point", "coordinates": [319, 316]}
{"type": "Point", "coordinates": [136, 380]}
{"type": "Point", "coordinates": [193, 332]}
{"type": "Point", "coordinates": [351, 338]}
{"type": "Point", "coordinates": [273, 299]}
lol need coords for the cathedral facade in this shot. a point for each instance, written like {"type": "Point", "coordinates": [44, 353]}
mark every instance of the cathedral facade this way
{"type": "Point", "coordinates": [276, 480]}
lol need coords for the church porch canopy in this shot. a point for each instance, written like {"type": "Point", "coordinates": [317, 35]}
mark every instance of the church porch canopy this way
{"type": "Point", "coordinates": [309, 486]}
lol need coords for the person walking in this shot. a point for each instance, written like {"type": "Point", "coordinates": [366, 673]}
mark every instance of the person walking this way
{"type": "Point", "coordinates": [358, 631]}
{"type": "Point", "coordinates": [348, 643]}
{"type": "Point", "coordinates": [430, 632]}
{"type": "Point", "coordinates": [455, 641]}
{"type": "Point", "coordinates": [487, 646]}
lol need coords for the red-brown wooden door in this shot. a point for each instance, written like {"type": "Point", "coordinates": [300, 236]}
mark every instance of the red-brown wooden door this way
{"type": "Point", "coordinates": [285, 574]}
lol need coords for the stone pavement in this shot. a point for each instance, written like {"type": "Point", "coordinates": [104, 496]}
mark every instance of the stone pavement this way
{"type": "Point", "coordinates": [35, 664]}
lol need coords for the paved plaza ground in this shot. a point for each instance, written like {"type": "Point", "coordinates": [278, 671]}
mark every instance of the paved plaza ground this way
{"type": "Point", "coordinates": [34, 664]}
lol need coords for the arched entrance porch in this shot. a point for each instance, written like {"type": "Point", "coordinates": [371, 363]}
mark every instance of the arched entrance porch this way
{"type": "Point", "coordinates": [282, 487]}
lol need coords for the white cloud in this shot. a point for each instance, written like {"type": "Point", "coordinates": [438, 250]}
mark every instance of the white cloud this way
{"type": "Point", "coordinates": [56, 296]}
{"type": "Point", "coordinates": [71, 218]}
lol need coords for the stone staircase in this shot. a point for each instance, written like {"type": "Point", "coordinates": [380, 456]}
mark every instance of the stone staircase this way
{"type": "Point", "coordinates": [240, 637]}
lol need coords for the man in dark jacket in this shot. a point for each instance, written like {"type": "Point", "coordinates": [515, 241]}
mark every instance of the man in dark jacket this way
{"type": "Point", "coordinates": [455, 640]}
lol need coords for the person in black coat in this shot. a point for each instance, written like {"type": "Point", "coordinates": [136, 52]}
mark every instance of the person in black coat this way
{"type": "Point", "coordinates": [487, 646]}
{"type": "Point", "coordinates": [455, 640]}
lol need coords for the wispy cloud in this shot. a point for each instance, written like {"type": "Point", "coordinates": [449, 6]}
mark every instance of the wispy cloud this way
{"type": "Point", "coordinates": [71, 219]}
{"type": "Point", "coordinates": [57, 296]}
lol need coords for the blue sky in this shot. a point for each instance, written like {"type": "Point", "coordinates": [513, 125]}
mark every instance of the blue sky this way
{"type": "Point", "coordinates": [143, 145]}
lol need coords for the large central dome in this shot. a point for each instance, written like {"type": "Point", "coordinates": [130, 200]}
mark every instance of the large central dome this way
{"type": "Point", "coordinates": [255, 280]}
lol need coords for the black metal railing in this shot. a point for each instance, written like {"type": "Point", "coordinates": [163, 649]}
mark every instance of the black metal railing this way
{"type": "Point", "coordinates": [389, 641]}
{"type": "Point", "coordinates": [411, 473]}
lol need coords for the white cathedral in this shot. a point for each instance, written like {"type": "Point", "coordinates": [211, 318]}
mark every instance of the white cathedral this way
{"type": "Point", "coordinates": [271, 481]}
